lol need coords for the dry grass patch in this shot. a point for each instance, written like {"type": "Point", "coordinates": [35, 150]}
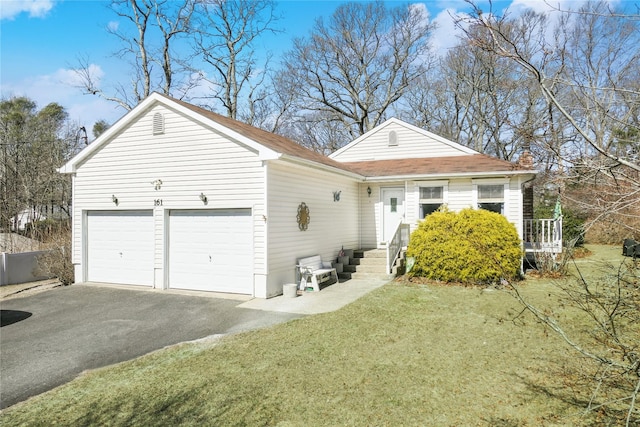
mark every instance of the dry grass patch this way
{"type": "Point", "coordinates": [403, 355]}
{"type": "Point", "coordinates": [407, 354]}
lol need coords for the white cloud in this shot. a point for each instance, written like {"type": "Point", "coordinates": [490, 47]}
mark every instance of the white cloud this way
{"type": "Point", "coordinates": [63, 87]}
{"type": "Point", "coordinates": [35, 8]}
{"type": "Point", "coordinates": [518, 6]}
{"type": "Point", "coordinates": [446, 34]}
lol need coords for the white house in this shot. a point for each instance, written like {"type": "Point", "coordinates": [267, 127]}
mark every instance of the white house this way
{"type": "Point", "coordinates": [175, 196]}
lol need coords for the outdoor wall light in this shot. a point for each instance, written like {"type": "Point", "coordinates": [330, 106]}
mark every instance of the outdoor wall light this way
{"type": "Point", "coordinates": [114, 199]}
{"type": "Point", "coordinates": [369, 191]}
{"type": "Point", "coordinates": [203, 198]}
{"type": "Point", "coordinates": [157, 184]}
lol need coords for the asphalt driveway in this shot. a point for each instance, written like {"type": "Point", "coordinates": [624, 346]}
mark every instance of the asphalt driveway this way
{"type": "Point", "coordinates": [47, 339]}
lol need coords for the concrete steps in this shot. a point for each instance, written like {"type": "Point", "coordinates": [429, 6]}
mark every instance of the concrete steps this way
{"type": "Point", "coordinates": [366, 264]}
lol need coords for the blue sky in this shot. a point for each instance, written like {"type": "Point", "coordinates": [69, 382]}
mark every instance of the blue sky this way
{"type": "Point", "coordinates": [41, 40]}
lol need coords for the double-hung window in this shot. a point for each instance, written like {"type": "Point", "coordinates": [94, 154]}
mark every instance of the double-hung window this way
{"type": "Point", "coordinates": [432, 196]}
{"type": "Point", "coordinates": [491, 197]}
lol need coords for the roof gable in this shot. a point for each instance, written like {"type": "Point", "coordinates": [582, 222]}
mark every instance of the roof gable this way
{"type": "Point", "coordinates": [395, 139]}
{"type": "Point", "coordinates": [268, 145]}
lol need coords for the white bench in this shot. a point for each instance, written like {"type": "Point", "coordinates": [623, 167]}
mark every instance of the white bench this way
{"type": "Point", "coordinates": [313, 272]}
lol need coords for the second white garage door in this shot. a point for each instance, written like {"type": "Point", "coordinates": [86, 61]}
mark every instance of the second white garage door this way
{"type": "Point", "coordinates": [211, 250]}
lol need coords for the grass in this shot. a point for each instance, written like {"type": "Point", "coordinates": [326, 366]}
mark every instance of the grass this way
{"type": "Point", "coordinates": [404, 355]}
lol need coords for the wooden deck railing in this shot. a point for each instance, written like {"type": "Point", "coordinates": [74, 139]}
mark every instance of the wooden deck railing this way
{"type": "Point", "coordinates": [543, 235]}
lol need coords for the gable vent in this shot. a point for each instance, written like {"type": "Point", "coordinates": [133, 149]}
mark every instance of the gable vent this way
{"type": "Point", "coordinates": [393, 138]}
{"type": "Point", "coordinates": [158, 124]}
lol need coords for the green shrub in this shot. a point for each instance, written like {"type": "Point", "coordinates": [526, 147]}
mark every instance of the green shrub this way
{"type": "Point", "coordinates": [470, 246]}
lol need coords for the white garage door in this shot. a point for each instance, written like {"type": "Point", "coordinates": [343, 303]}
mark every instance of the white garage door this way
{"type": "Point", "coordinates": [211, 250]}
{"type": "Point", "coordinates": [120, 247]}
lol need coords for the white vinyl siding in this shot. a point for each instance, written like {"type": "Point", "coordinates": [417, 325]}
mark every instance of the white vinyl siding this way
{"type": "Point", "coordinates": [410, 143]}
{"type": "Point", "coordinates": [333, 224]}
{"type": "Point", "coordinates": [189, 159]}
{"type": "Point", "coordinates": [370, 208]}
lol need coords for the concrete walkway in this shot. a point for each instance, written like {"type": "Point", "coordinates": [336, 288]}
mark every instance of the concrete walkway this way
{"type": "Point", "coordinates": [328, 299]}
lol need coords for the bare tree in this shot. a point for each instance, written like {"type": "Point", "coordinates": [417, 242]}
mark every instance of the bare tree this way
{"type": "Point", "coordinates": [354, 69]}
{"type": "Point", "coordinates": [604, 80]}
{"type": "Point", "coordinates": [480, 99]}
{"type": "Point", "coordinates": [149, 32]}
{"type": "Point", "coordinates": [588, 76]}
{"type": "Point", "coordinates": [227, 36]}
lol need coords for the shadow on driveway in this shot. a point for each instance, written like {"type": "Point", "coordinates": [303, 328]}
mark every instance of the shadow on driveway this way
{"type": "Point", "coordinates": [9, 317]}
{"type": "Point", "coordinates": [51, 337]}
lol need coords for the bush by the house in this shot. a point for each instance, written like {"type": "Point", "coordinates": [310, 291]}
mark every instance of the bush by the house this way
{"type": "Point", "coordinates": [470, 246]}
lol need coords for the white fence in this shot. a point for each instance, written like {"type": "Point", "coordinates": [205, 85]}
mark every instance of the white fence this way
{"type": "Point", "coordinates": [20, 268]}
{"type": "Point", "coordinates": [543, 235]}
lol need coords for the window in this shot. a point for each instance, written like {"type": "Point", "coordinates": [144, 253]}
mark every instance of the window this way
{"type": "Point", "coordinates": [431, 198]}
{"type": "Point", "coordinates": [491, 198]}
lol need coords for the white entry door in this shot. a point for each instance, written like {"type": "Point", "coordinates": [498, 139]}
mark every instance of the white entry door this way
{"type": "Point", "coordinates": [392, 211]}
{"type": "Point", "coordinates": [120, 247]}
{"type": "Point", "coordinates": [211, 250]}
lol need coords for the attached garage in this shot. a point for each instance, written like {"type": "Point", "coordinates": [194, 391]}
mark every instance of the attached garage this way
{"type": "Point", "coordinates": [120, 247]}
{"type": "Point", "coordinates": [211, 250]}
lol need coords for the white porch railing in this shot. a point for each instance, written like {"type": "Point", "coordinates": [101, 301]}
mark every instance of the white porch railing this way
{"type": "Point", "coordinates": [543, 235]}
{"type": "Point", "coordinates": [399, 240]}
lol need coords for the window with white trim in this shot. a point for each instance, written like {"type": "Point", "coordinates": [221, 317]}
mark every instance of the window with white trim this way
{"type": "Point", "coordinates": [431, 198]}
{"type": "Point", "coordinates": [491, 197]}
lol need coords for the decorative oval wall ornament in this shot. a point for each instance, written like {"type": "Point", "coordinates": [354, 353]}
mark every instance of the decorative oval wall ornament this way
{"type": "Point", "coordinates": [303, 216]}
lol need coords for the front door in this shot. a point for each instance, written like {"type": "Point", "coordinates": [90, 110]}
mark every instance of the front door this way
{"type": "Point", "coordinates": [392, 211]}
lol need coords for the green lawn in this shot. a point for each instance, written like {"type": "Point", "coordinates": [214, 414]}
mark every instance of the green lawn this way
{"type": "Point", "coordinates": [406, 354]}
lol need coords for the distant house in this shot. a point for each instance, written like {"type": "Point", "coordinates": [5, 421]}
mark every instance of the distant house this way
{"type": "Point", "coordinates": [175, 196]}
{"type": "Point", "coordinates": [24, 217]}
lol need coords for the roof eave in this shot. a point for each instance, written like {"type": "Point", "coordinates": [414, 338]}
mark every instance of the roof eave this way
{"type": "Point", "coordinates": [414, 177]}
{"type": "Point", "coordinates": [321, 166]}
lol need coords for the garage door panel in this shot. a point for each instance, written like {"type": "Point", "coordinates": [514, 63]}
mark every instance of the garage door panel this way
{"type": "Point", "coordinates": [211, 250]}
{"type": "Point", "coordinates": [120, 247]}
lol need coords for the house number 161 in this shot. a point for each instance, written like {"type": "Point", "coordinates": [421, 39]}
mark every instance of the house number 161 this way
{"type": "Point", "coordinates": [157, 202]}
